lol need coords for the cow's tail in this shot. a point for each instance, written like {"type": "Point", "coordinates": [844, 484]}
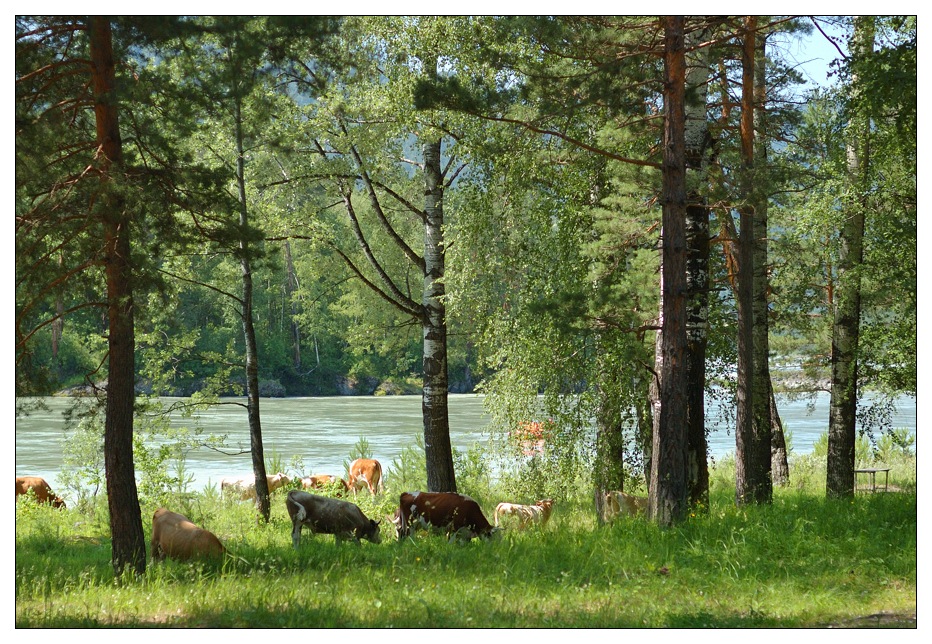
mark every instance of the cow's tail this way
{"type": "Point", "coordinates": [301, 513]}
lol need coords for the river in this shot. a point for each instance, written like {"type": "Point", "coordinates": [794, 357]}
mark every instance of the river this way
{"type": "Point", "coordinates": [322, 431]}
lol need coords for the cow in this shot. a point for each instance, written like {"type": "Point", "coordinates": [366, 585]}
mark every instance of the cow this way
{"type": "Point", "coordinates": [617, 503]}
{"type": "Point", "coordinates": [174, 536]}
{"type": "Point", "coordinates": [538, 513]}
{"type": "Point", "coordinates": [245, 486]}
{"type": "Point", "coordinates": [41, 489]}
{"type": "Point", "coordinates": [324, 515]}
{"type": "Point", "coordinates": [365, 472]}
{"type": "Point", "coordinates": [324, 481]}
{"type": "Point", "coordinates": [455, 514]}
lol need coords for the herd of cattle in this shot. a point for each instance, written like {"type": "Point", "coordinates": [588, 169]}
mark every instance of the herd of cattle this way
{"type": "Point", "coordinates": [456, 515]}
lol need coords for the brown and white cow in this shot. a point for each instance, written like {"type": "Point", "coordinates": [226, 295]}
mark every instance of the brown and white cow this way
{"type": "Point", "coordinates": [456, 514]}
{"type": "Point", "coordinates": [324, 481]}
{"type": "Point", "coordinates": [324, 515]}
{"type": "Point", "coordinates": [525, 515]}
{"type": "Point", "coordinates": [41, 489]}
{"type": "Point", "coordinates": [365, 472]}
{"type": "Point", "coordinates": [617, 503]}
{"type": "Point", "coordinates": [174, 536]}
{"type": "Point", "coordinates": [245, 486]}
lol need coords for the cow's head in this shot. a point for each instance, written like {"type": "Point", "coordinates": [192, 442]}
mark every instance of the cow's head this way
{"type": "Point", "coordinates": [370, 531]}
{"type": "Point", "coordinates": [396, 521]}
{"type": "Point", "coordinates": [57, 502]}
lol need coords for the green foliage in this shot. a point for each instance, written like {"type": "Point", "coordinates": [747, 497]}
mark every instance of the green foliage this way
{"type": "Point", "coordinates": [159, 450]}
{"type": "Point", "coordinates": [408, 471]}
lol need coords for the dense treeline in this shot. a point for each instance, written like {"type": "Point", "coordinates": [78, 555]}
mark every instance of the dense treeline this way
{"type": "Point", "coordinates": [625, 209]}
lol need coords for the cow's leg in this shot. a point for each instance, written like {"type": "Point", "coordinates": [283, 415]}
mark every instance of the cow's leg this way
{"type": "Point", "coordinates": [296, 533]}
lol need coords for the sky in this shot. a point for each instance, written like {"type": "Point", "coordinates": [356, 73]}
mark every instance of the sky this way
{"type": "Point", "coordinates": [814, 53]}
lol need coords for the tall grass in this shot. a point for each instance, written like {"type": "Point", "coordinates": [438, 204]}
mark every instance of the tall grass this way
{"type": "Point", "coordinates": [803, 561]}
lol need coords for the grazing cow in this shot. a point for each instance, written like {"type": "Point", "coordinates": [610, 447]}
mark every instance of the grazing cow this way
{"type": "Point", "coordinates": [617, 503]}
{"type": "Point", "coordinates": [525, 514]}
{"type": "Point", "coordinates": [41, 489]}
{"type": "Point", "coordinates": [324, 515]}
{"type": "Point", "coordinates": [323, 481]}
{"type": "Point", "coordinates": [365, 472]}
{"type": "Point", "coordinates": [173, 535]}
{"type": "Point", "coordinates": [456, 514]}
{"type": "Point", "coordinates": [245, 486]}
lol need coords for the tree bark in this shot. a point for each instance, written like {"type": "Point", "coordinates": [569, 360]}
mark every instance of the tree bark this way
{"type": "Point", "coordinates": [437, 447]}
{"type": "Point", "coordinates": [847, 310]}
{"type": "Point", "coordinates": [765, 412]}
{"type": "Point", "coordinates": [752, 454]}
{"type": "Point", "coordinates": [697, 266]}
{"type": "Point", "coordinates": [668, 489]}
{"type": "Point", "coordinates": [128, 538]}
{"type": "Point", "coordinates": [291, 285]}
{"type": "Point", "coordinates": [249, 330]}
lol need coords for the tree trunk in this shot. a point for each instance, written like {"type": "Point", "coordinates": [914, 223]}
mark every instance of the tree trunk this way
{"type": "Point", "coordinates": [249, 331]}
{"type": "Point", "coordinates": [766, 415]}
{"type": "Point", "coordinates": [697, 268]}
{"type": "Point", "coordinates": [437, 446]}
{"type": "Point", "coordinates": [128, 538]}
{"type": "Point", "coordinates": [847, 310]}
{"type": "Point", "coordinates": [752, 454]}
{"type": "Point", "coordinates": [668, 489]}
{"type": "Point", "coordinates": [291, 285]}
{"type": "Point", "coordinates": [779, 459]}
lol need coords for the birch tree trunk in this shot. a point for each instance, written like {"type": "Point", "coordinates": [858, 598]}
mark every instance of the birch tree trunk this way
{"type": "Point", "coordinates": [752, 454]}
{"type": "Point", "coordinates": [128, 538]}
{"type": "Point", "coordinates": [291, 285]}
{"type": "Point", "coordinates": [847, 310]}
{"type": "Point", "coordinates": [765, 411]}
{"type": "Point", "coordinates": [437, 446]}
{"type": "Point", "coordinates": [249, 330]}
{"type": "Point", "coordinates": [697, 265]}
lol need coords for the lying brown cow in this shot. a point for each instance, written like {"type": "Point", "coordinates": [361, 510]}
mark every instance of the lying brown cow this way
{"type": "Point", "coordinates": [365, 472]}
{"type": "Point", "coordinates": [173, 535]}
{"type": "Point", "coordinates": [245, 486]}
{"type": "Point", "coordinates": [525, 514]}
{"type": "Point", "coordinates": [323, 481]}
{"type": "Point", "coordinates": [41, 489]}
{"type": "Point", "coordinates": [456, 514]}
{"type": "Point", "coordinates": [617, 503]}
{"type": "Point", "coordinates": [323, 515]}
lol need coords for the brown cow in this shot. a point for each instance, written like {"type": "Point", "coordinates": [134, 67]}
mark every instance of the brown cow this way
{"type": "Point", "coordinates": [41, 489]}
{"type": "Point", "coordinates": [323, 515]}
{"type": "Point", "coordinates": [173, 535]}
{"type": "Point", "coordinates": [323, 481]}
{"type": "Point", "coordinates": [617, 503]}
{"type": "Point", "coordinates": [525, 514]}
{"type": "Point", "coordinates": [456, 514]}
{"type": "Point", "coordinates": [365, 472]}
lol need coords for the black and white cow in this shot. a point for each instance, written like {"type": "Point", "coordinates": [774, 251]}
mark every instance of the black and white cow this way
{"type": "Point", "coordinates": [324, 515]}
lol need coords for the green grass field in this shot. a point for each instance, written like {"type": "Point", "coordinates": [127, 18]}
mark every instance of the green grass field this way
{"type": "Point", "coordinates": [803, 561]}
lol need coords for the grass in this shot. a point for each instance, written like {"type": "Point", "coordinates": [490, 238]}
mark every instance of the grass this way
{"type": "Point", "coordinates": [804, 561]}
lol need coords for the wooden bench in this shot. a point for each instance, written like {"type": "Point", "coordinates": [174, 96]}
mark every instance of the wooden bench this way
{"type": "Point", "coordinates": [872, 475]}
